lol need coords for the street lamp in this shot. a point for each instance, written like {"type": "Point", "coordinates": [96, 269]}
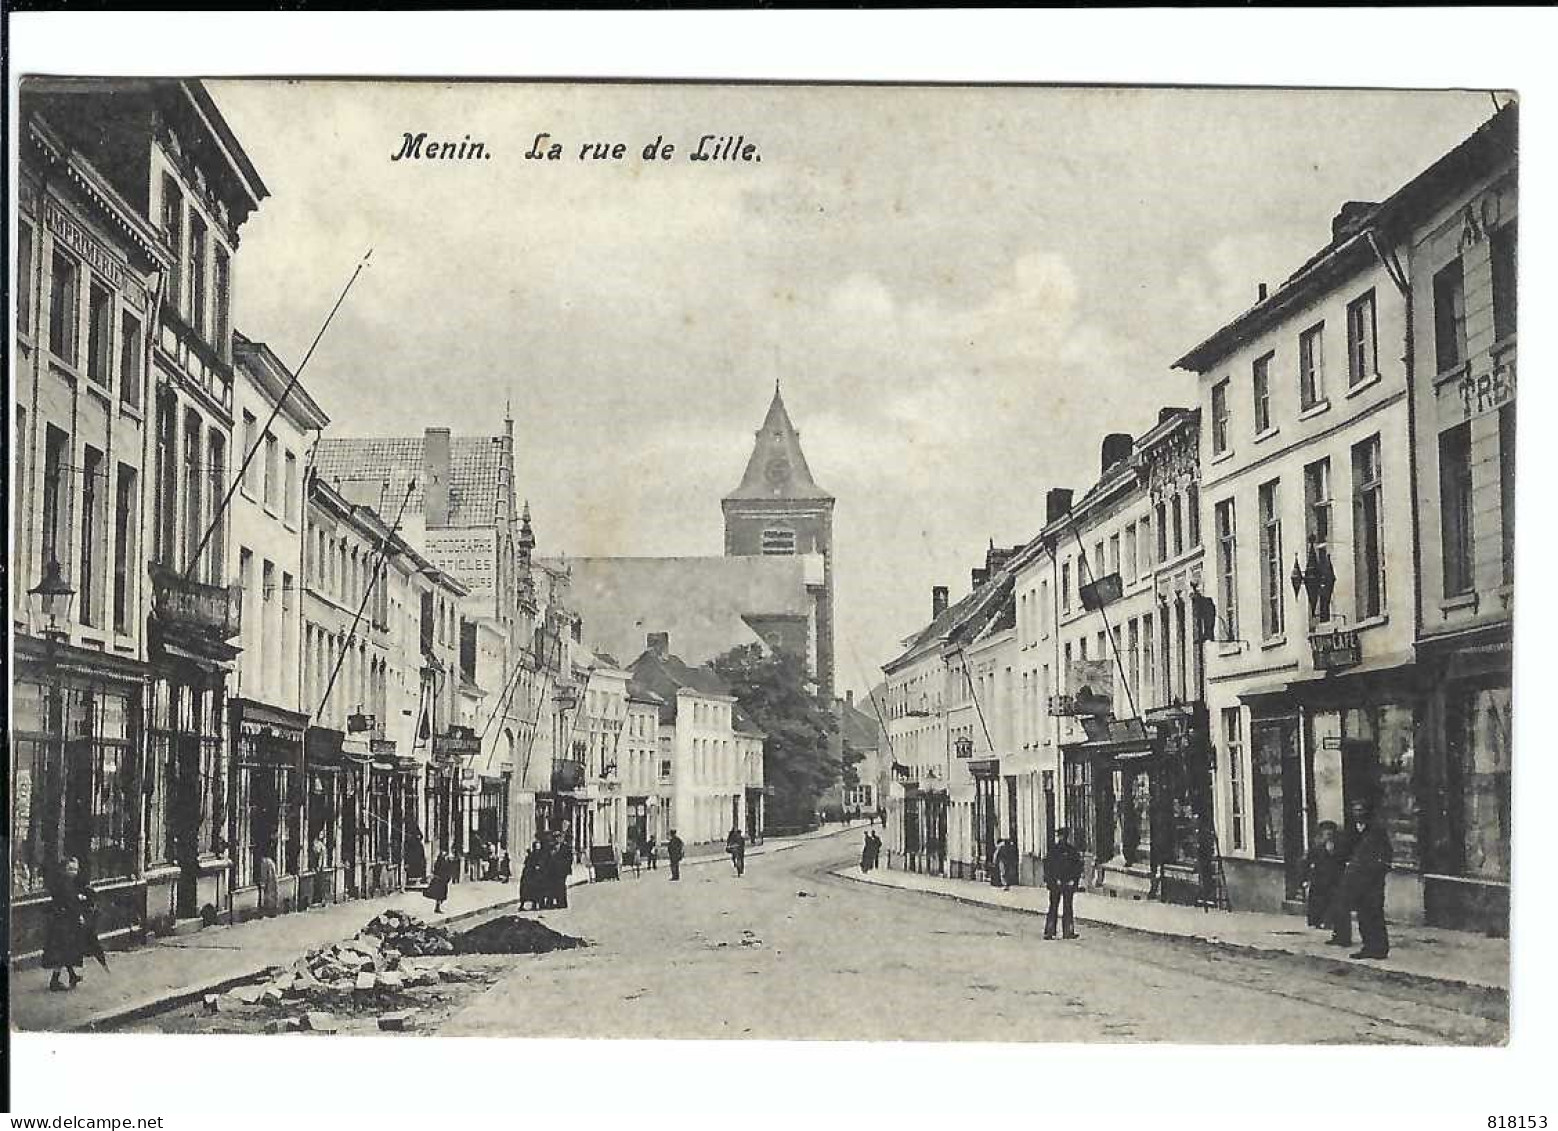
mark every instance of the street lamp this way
{"type": "Point", "coordinates": [51, 599]}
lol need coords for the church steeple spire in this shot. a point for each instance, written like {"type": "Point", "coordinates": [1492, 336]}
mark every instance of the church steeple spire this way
{"type": "Point", "coordinates": [777, 468]}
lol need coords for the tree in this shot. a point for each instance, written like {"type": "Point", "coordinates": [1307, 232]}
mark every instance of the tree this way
{"type": "Point", "coordinates": [799, 756]}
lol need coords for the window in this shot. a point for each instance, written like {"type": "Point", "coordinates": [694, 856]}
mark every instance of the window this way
{"type": "Point", "coordinates": [197, 274]}
{"type": "Point", "coordinates": [125, 562]}
{"type": "Point", "coordinates": [1098, 561]}
{"type": "Point", "coordinates": [1501, 253]}
{"type": "Point", "coordinates": [1271, 579]}
{"type": "Point", "coordinates": [778, 543]}
{"type": "Point", "coordinates": [1227, 567]}
{"type": "Point", "coordinates": [24, 278]}
{"type": "Point", "coordinates": [1163, 533]}
{"type": "Point", "coordinates": [1114, 553]}
{"type": "Point", "coordinates": [173, 235]}
{"type": "Point", "coordinates": [167, 480]}
{"type": "Point", "coordinates": [64, 297]}
{"type": "Point", "coordinates": [221, 299]}
{"type": "Point", "coordinates": [1362, 359]}
{"type": "Point", "coordinates": [100, 332]}
{"type": "Point", "coordinates": [1133, 657]}
{"type": "Point", "coordinates": [1478, 732]}
{"type": "Point", "coordinates": [1311, 366]}
{"type": "Point", "coordinates": [272, 471]}
{"type": "Point", "coordinates": [1233, 745]}
{"type": "Point", "coordinates": [89, 597]}
{"type": "Point", "coordinates": [1193, 513]}
{"type": "Point", "coordinates": [251, 437]}
{"type": "Point", "coordinates": [1220, 417]}
{"type": "Point", "coordinates": [1368, 528]}
{"type": "Point", "coordinates": [1149, 662]}
{"type": "Point", "coordinates": [56, 444]}
{"type": "Point", "coordinates": [1273, 746]}
{"type": "Point", "coordinates": [130, 347]}
{"type": "Point", "coordinates": [1145, 530]}
{"type": "Point", "coordinates": [1177, 511]}
{"type": "Point", "coordinates": [1065, 587]}
{"type": "Point", "coordinates": [1455, 508]}
{"type": "Point", "coordinates": [290, 485]}
{"type": "Point", "coordinates": [1450, 316]}
{"type": "Point", "coordinates": [216, 467]}
{"type": "Point", "coordinates": [1317, 524]}
{"type": "Point", "coordinates": [1506, 487]}
{"type": "Point", "coordinates": [1261, 384]}
{"type": "Point", "coordinates": [1130, 552]}
{"type": "Point", "coordinates": [193, 511]}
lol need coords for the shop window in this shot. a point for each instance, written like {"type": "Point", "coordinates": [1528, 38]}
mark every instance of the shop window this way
{"type": "Point", "coordinates": [34, 838]}
{"type": "Point", "coordinates": [100, 333]}
{"type": "Point", "coordinates": [1311, 366]}
{"type": "Point", "coordinates": [1379, 768]}
{"type": "Point", "coordinates": [64, 304]}
{"type": "Point", "coordinates": [1362, 350]}
{"type": "Point", "coordinates": [1478, 729]}
{"type": "Point", "coordinates": [1450, 316]}
{"type": "Point", "coordinates": [1455, 512]}
{"type": "Point", "coordinates": [1272, 750]}
{"type": "Point", "coordinates": [130, 351]}
{"type": "Point", "coordinates": [1501, 250]}
{"type": "Point", "coordinates": [1079, 802]}
{"type": "Point", "coordinates": [1271, 579]}
{"type": "Point", "coordinates": [1368, 528]}
{"type": "Point", "coordinates": [1233, 744]}
{"type": "Point", "coordinates": [1506, 487]}
{"type": "Point", "coordinates": [1261, 390]}
{"type": "Point", "coordinates": [1220, 417]}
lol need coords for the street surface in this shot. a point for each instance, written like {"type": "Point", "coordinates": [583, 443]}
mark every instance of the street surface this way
{"type": "Point", "coordinates": [716, 956]}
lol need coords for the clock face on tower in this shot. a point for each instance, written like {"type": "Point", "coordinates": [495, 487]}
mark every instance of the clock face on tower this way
{"type": "Point", "coordinates": [778, 471]}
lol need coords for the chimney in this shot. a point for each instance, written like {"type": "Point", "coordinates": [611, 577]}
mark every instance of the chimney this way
{"type": "Point", "coordinates": [998, 556]}
{"type": "Point", "coordinates": [1169, 411]}
{"type": "Point", "coordinates": [978, 576]}
{"type": "Point", "coordinates": [938, 600]}
{"type": "Point", "coordinates": [1116, 448]}
{"type": "Point", "coordinates": [1260, 292]}
{"type": "Point", "coordinates": [435, 477]}
{"type": "Point", "coordinates": [1057, 502]}
{"type": "Point", "coordinates": [659, 643]}
{"type": "Point", "coordinates": [1351, 218]}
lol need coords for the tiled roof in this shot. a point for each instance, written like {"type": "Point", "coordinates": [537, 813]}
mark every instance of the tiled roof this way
{"type": "Point", "coordinates": [666, 675]}
{"type": "Point", "coordinates": [475, 471]}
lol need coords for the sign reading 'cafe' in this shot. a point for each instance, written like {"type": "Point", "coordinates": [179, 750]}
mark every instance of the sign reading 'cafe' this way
{"type": "Point", "coordinates": [1338, 648]}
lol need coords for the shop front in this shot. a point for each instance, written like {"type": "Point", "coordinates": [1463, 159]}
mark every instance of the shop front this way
{"type": "Point", "coordinates": [756, 804]}
{"type": "Point", "coordinates": [1468, 727]}
{"type": "Point", "coordinates": [268, 744]}
{"type": "Point", "coordinates": [926, 809]}
{"type": "Point", "coordinates": [1318, 745]}
{"type": "Point", "coordinates": [187, 772]}
{"type": "Point", "coordinates": [75, 785]}
{"type": "Point", "coordinates": [390, 819]}
{"type": "Point", "coordinates": [331, 852]}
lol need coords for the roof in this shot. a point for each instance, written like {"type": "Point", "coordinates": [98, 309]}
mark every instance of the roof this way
{"type": "Point", "coordinates": [274, 379]}
{"type": "Point", "coordinates": [743, 724]}
{"type": "Point", "coordinates": [707, 605]}
{"type": "Point", "coordinates": [963, 621]}
{"type": "Point", "coordinates": [666, 675]}
{"type": "Point", "coordinates": [1350, 247]}
{"type": "Point", "coordinates": [476, 471]}
{"type": "Point", "coordinates": [777, 468]}
{"type": "Point", "coordinates": [859, 729]}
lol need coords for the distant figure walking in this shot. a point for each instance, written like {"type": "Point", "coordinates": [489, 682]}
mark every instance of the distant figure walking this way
{"type": "Point", "coordinates": [1363, 884]}
{"type": "Point", "coordinates": [530, 877]}
{"type": "Point", "coordinates": [736, 845]}
{"type": "Point", "coordinates": [673, 853]}
{"type": "Point", "coordinates": [438, 883]}
{"type": "Point", "coordinates": [867, 854]}
{"type": "Point", "coordinates": [1006, 861]}
{"type": "Point", "coordinates": [651, 854]}
{"type": "Point", "coordinates": [504, 869]}
{"type": "Point", "coordinates": [1062, 874]}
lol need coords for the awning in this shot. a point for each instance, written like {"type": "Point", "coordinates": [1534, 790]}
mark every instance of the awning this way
{"type": "Point", "coordinates": [322, 746]}
{"type": "Point", "coordinates": [1313, 687]}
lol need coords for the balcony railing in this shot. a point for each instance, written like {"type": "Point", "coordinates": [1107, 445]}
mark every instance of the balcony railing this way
{"type": "Point", "coordinates": [193, 606]}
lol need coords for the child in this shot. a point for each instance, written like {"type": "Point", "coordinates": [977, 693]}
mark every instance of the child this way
{"type": "Point", "coordinates": [1322, 874]}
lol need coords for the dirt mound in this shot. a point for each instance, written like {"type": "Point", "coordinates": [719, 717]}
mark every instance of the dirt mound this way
{"type": "Point", "coordinates": [512, 934]}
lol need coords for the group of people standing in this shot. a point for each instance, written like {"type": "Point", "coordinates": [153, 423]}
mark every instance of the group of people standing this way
{"type": "Point", "coordinates": [871, 852]}
{"type": "Point", "coordinates": [1344, 874]}
{"type": "Point", "coordinates": [543, 878]}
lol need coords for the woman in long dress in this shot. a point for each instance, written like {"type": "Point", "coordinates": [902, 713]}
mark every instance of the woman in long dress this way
{"type": "Point", "coordinates": [530, 877]}
{"type": "Point", "coordinates": [438, 884]}
{"type": "Point", "coordinates": [270, 883]}
{"type": "Point", "coordinates": [64, 945]}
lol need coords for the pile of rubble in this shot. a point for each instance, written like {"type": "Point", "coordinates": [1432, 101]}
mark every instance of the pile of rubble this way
{"type": "Point", "coordinates": [408, 935]}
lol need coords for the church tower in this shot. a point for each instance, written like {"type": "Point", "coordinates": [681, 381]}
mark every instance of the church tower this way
{"type": "Point", "coordinates": [778, 509]}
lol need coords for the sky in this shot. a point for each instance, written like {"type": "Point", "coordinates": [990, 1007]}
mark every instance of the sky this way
{"type": "Point", "coordinates": [960, 289]}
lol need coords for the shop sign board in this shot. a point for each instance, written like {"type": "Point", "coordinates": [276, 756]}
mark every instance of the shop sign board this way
{"type": "Point", "coordinates": [1092, 686]}
{"type": "Point", "coordinates": [1338, 648]}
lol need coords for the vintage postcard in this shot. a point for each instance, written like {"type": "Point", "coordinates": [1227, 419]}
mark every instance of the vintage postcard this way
{"type": "Point", "coordinates": [762, 561]}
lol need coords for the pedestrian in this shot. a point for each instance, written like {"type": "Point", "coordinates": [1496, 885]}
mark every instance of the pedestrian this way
{"type": "Point", "coordinates": [478, 858]}
{"type": "Point", "coordinates": [416, 854]}
{"type": "Point", "coordinates": [673, 853]}
{"type": "Point", "coordinates": [876, 850]}
{"type": "Point", "coordinates": [1363, 884]}
{"type": "Point", "coordinates": [560, 867]}
{"type": "Point", "coordinates": [316, 864]}
{"type": "Point", "coordinates": [865, 854]}
{"type": "Point", "coordinates": [1006, 861]}
{"type": "Point", "coordinates": [269, 882]}
{"type": "Point", "coordinates": [651, 856]}
{"type": "Point", "coordinates": [505, 872]}
{"type": "Point", "coordinates": [1323, 869]}
{"type": "Point", "coordinates": [1062, 874]}
{"type": "Point", "coordinates": [438, 883]}
{"type": "Point", "coordinates": [71, 904]}
{"type": "Point", "coordinates": [530, 877]}
{"type": "Point", "coordinates": [736, 845]}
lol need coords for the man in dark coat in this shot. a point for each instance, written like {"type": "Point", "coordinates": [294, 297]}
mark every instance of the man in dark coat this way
{"type": "Point", "coordinates": [561, 868]}
{"type": "Point", "coordinates": [736, 845]}
{"type": "Point", "coordinates": [673, 853]}
{"type": "Point", "coordinates": [1363, 883]}
{"type": "Point", "coordinates": [65, 943]}
{"type": "Point", "coordinates": [1062, 875]}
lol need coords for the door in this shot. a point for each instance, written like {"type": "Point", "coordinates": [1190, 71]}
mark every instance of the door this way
{"type": "Point", "coordinates": [1049, 808]}
{"type": "Point", "coordinates": [1011, 810]}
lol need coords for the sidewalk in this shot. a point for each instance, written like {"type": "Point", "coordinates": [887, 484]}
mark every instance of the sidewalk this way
{"type": "Point", "coordinates": [180, 968]}
{"type": "Point", "coordinates": [1421, 952]}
